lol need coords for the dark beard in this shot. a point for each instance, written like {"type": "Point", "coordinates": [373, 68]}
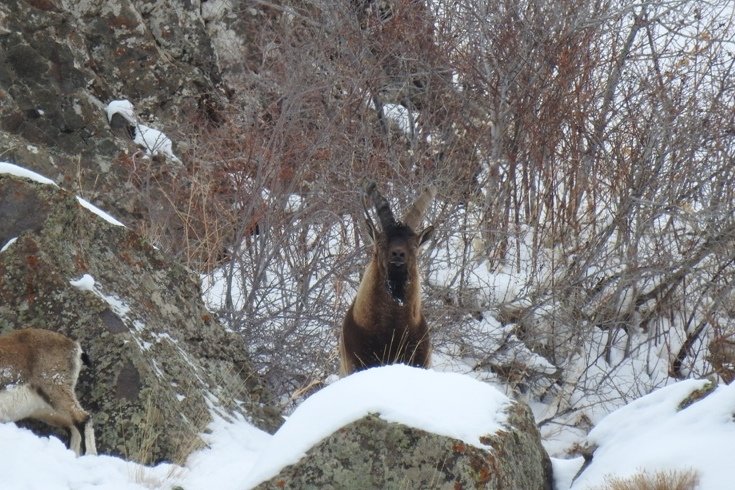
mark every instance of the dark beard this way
{"type": "Point", "coordinates": [397, 282]}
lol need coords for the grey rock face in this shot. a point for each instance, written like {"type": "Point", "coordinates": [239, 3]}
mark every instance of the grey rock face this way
{"type": "Point", "coordinates": [374, 454]}
{"type": "Point", "coordinates": [62, 61]}
{"type": "Point", "coordinates": [160, 362]}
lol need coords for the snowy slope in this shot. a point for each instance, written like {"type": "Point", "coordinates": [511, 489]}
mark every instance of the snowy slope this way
{"type": "Point", "coordinates": [649, 433]}
{"type": "Point", "coordinates": [240, 455]}
{"type": "Point", "coordinates": [652, 433]}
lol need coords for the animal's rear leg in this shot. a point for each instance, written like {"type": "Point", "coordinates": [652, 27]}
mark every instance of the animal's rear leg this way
{"type": "Point", "coordinates": [64, 403]}
{"type": "Point", "coordinates": [90, 446]}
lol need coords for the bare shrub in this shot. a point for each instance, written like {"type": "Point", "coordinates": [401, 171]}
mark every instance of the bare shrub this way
{"type": "Point", "coordinates": [583, 154]}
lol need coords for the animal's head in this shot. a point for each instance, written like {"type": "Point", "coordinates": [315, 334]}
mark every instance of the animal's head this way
{"type": "Point", "coordinates": [396, 243]}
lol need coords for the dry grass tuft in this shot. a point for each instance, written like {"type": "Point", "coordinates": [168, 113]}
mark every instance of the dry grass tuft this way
{"type": "Point", "coordinates": [660, 480]}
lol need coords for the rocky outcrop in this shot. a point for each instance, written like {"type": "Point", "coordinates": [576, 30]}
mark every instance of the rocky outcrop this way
{"type": "Point", "coordinates": [373, 453]}
{"type": "Point", "coordinates": [161, 364]}
{"type": "Point", "coordinates": [62, 61]}
{"type": "Point", "coordinates": [190, 67]}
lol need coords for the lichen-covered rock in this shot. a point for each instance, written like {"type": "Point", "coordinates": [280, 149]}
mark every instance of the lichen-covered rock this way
{"type": "Point", "coordinates": [374, 454]}
{"type": "Point", "coordinates": [62, 61]}
{"type": "Point", "coordinates": [160, 362]}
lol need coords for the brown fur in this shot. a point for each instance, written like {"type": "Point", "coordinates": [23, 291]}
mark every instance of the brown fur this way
{"type": "Point", "coordinates": [385, 324]}
{"type": "Point", "coordinates": [38, 373]}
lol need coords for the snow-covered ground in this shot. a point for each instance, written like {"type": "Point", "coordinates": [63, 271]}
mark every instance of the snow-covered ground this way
{"type": "Point", "coordinates": [648, 434]}
{"type": "Point", "coordinates": [651, 433]}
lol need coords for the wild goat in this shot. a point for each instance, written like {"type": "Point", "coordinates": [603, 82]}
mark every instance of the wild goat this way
{"type": "Point", "coordinates": [38, 373]}
{"type": "Point", "coordinates": [385, 324]}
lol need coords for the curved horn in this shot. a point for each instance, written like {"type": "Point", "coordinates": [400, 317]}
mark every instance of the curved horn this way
{"type": "Point", "coordinates": [416, 212]}
{"type": "Point", "coordinates": [382, 208]}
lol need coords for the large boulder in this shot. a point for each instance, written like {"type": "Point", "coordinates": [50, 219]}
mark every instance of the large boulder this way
{"type": "Point", "coordinates": [162, 366]}
{"type": "Point", "coordinates": [410, 437]}
{"type": "Point", "coordinates": [373, 453]}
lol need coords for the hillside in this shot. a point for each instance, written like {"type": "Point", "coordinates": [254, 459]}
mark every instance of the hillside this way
{"type": "Point", "coordinates": [583, 152]}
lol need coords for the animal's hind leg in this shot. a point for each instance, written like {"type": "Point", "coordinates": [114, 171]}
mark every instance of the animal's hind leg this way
{"type": "Point", "coordinates": [55, 418]}
{"type": "Point", "coordinates": [90, 446]}
{"type": "Point", "coordinates": [75, 440]}
{"type": "Point", "coordinates": [66, 408]}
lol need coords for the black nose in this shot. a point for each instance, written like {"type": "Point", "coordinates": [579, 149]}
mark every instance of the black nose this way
{"type": "Point", "coordinates": [397, 257]}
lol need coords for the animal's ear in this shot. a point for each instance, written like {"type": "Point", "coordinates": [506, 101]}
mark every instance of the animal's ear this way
{"type": "Point", "coordinates": [425, 234]}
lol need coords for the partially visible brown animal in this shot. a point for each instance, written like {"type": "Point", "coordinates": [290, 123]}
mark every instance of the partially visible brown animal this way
{"type": "Point", "coordinates": [385, 324]}
{"type": "Point", "coordinates": [38, 373]}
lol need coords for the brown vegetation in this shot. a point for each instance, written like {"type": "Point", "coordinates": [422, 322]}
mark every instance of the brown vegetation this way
{"type": "Point", "coordinates": [584, 147]}
{"type": "Point", "coordinates": [661, 480]}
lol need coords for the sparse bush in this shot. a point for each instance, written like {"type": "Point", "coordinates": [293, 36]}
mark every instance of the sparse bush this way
{"type": "Point", "coordinates": [584, 157]}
